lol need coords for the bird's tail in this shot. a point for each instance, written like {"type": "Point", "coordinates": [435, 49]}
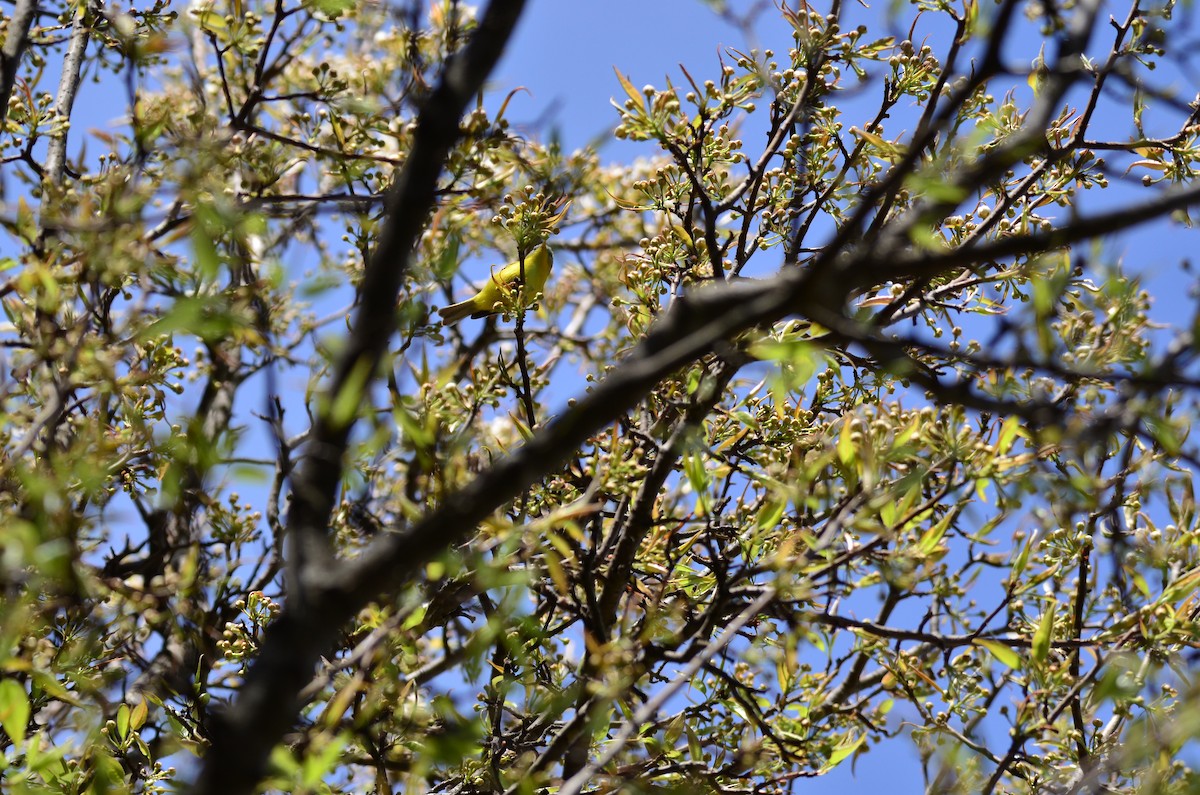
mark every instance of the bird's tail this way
{"type": "Point", "coordinates": [456, 312]}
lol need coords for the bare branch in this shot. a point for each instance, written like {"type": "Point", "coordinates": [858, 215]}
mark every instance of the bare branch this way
{"type": "Point", "coordinates": [68, 86]}
{"type": "Point", "coordinates": [269, 700]}
{"type": "Point", "coordinates": [15, 42]}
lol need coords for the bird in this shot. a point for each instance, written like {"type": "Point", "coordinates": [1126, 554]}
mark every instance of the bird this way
{"type": "Point", "coordinates": [492, 299]}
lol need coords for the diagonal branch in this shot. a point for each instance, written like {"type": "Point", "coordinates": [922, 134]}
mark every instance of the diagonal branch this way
{"type": "Point", "coordinates": [697, 323]}
{"type": "Point", "coordinates": [68, 87]}
{"type": "Point", "coordinates": [325, 595]}
{"type": "Point", "coordinates": [15, 42]}
{"type": "Point", "coordinates": [269, 701]}
{"type": "Point", "coordinates": [315, 485]}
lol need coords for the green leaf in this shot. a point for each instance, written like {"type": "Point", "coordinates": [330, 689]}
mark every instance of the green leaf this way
{"type": "Point", "coordinates": [108, 775]}
{"type": "Point", "coordinates": [207, 228]}
{"type": "Point", "coordinates": [213, 22]}
{"type": "Point", "coordinates": [14, 710]}
{"type": "Point", "coordinates": [138, 717]}
{"type": "Point", "coordinates": [414, 618]}
{"type": "Point", "coordinates": [320, 764]}
{"type": "Point", "coordinates": [770, 514]}
{"type": "Point", "coordinates": [283, 760]}
{"type": "Point", "coordinates": [1009, 431]}
{"type": "Point", "coordinates": [1001, 652]}
{"type": "Point", "coordinates": [842, 751]}
{"type": "Point", "coordinates": [695, 747]}
{"type": "Point", "coordinates": [697, 475]}
{"type": "Point", "coordinates": [349, 398]}
{"type": "Point", "coordinates": [1165, 434]}
{"type": "Point", "coordinates": [123, 721]}
{"type": "Point", "coordinates": [413, 428]}
{"type": "Point", "coordinates": [447, 261]}
{"type": "Point", "coordinates": [1184, 586]}
{"type": "Point", "coordinates": [933, 536]}
{"type": "Point", "coordinates": [1022, 559]}
{"type": "Point", "coordinates": [800, 356]}
{"type": "Point", "coordinates": [330, 8]}
{"type": "Point", "coordinates": [847, 451]}
{"type": "Point", "coordinates": [632, 92]}
{"type": "Point", "coordinates": [1040, 648]}
{"type": "Point", "coordinates": [934, 187]}
{"type": "Point", "coordinates": [46, 683]}
{"type": "Point", "coordinates": [199, 316]}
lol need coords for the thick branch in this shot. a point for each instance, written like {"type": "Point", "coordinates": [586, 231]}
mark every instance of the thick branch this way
{"type": "Point", "coordinates": [15, 42]}
{"type": "Point", "coordinates": [68, 86]}
{"type": "Point", "coordinates": [315, 485]}
{"type": "Point", "coordinates": [269, 701]}
{"type": "Point", "coordinates": [696, 323]}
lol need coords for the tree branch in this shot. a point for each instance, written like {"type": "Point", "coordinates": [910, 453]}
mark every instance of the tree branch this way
{"type": "Point", "coordinates": [15, 42]}
{"type": "Point", "coordinates": [68, 86]}
{"type": "Point", "coordinates": [696, 323]}
{"type": "Point", "coordinates": [268, 703]}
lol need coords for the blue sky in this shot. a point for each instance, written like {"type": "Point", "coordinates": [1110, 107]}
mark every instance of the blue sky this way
{"type": "Point", "coordinates": [565, 52]}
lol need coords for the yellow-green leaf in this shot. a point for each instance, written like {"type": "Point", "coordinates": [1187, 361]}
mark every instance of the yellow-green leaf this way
{"type": "Point", "coordinates": [1040, 648]}
{"type": "Point", "coordinates": [1001, 652]}
{"type": "Point", "coordinates": [14, 710]}
{"type": "Point", "coordinates": [842, 751]}
{"type": "Point", "coordinates": [633, 93]}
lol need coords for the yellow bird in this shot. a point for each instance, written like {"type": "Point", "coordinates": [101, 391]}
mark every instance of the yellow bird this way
{"type": "Point", "coordinates": [493, 298]}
